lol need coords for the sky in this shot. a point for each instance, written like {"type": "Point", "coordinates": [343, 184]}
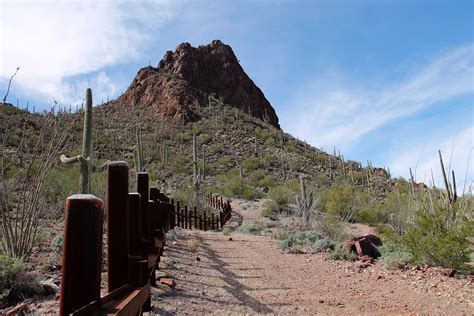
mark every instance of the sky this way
{"type": "Point", "coordinates": [390, 82]}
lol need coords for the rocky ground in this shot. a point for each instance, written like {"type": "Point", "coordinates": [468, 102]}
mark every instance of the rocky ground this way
{"type": "Point", "coordinates": [249, 274]}
{"type": "Point", "coordinates": [210, 273]}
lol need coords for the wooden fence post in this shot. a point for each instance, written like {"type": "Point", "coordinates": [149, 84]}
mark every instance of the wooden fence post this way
{"type": "Point", "coordinates": [117, 224]}
{"type": "Point", "coordinates": [82, 252]}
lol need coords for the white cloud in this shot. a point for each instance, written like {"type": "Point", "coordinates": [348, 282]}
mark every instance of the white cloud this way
{"type": "Point", "coordinates": [55, 42]}
{"type": "Point", "coordinates": [341, 116]}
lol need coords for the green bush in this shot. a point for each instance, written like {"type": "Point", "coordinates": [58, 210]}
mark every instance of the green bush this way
{"type": "Point", "coordinates": [278, 201]}
{"type": "Point", "coordinates": [302, 239]}
{"type": "Point", "coordinates": [226, 231]}
{"type": "Point", "coordinates": [432, 242]}
{"type": "Point", "coordinates": [345, 202]}
{"type": "Point", "coordinates": [395, 255]}
{"type": "Point", "coordinates": [334, 228]}
{"type": "Point", "coordinates": [341, 252]}
{"type": "Point", "coordinates": [251, 163]}
{"type": "Point", "coordinates": [255, 228]}
{"type": "Point", "coordinates": [15, 284]}
{"type": "Point", "coordinates": [215, 149]}
{"type": "Point", "coordinates": [235, 186]}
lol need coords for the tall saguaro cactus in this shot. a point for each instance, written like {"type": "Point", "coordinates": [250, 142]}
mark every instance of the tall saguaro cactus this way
{"type": "Point", "coordinates": [85, 157]}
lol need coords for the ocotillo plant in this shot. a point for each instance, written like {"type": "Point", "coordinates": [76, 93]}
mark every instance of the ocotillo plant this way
{"type": "Point", "coordinates": [85, 157]}
{"type": "Point", "coordinates": [305, 202]}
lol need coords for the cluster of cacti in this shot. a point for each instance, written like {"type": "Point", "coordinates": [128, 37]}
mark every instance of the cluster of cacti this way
{"type": "Point", "coordinates": [305, 202]}
{"type": "Point", "coordinates": [84, 158]}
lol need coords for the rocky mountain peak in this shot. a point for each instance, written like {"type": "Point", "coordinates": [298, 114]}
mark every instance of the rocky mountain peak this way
{"type": "Point", "coordinates": [194, 77]}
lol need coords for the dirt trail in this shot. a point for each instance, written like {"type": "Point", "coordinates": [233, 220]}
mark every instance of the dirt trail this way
{"type": "Point", "coordinates": [249, 274]}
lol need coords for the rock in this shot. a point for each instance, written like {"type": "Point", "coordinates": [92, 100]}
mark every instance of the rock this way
{"type": "Point", "coordinates": [169, 282]}
{"type": "Point", "coordinates": [49, 286]}
{"type": "Point", "coordinates": [194, 77]}
{"type": "Point", "coordinates": [448, 272]}
{"type": "Point", "coordinates": [198, 259]}
{"type": "Point", "coordinates": [365, 245]}
{"type": "Point", "coordinates": [230, 239]}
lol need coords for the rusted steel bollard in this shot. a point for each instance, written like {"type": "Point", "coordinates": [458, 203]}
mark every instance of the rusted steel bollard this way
{"type": "Point", "coordinates": [82, 252]}
{"type": "Point", "coordinates": [186, 218]}
{"type": "Point", "coordinates": [195, 218]}
{"type": "Point", "coordinates": [205, 221]}
{"type": "Point", "coordinates": [200, 221]}
{"type": "Point", "coordinates": [117, 224]}
{"type": "Point", "coordinates": [134, 224]}
{"type": "Point", "coordinates": [142, 188]}
{"type": "Point", "coordinates": [178, 214]}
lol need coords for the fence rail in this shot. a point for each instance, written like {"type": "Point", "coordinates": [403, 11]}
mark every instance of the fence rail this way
{"type": "Point", "coordinates": [136, 225]}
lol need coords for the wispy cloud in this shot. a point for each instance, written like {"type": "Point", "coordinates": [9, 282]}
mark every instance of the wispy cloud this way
{"type": "Point", "coordinates": [333, 115]}
{"type": "Point", "coordinates": [457, 156]}
{"type": "Point", "coordinates": [56, 42]}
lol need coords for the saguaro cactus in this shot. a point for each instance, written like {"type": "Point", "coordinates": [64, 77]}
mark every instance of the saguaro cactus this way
{"type": "Point", "coordinates": [85, 157]}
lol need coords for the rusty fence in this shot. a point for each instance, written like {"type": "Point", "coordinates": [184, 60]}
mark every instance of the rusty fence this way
{"type": "Point", "coordinates": [136, 225]}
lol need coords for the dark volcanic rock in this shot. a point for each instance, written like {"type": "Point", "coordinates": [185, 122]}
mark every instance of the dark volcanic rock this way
{"type": "Point", "coordinates": [190, 77]}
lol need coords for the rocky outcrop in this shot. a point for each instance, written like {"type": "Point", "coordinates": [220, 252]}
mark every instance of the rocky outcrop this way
{"type": "Point", "coordinates": [190, 78]}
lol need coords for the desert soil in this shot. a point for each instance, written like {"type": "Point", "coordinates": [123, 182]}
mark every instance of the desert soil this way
{"type": "Point", "coordinates": [249, 274]}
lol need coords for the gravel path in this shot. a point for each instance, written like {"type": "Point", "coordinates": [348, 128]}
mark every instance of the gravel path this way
{"type": "Point", "coordinates": [249, 274]}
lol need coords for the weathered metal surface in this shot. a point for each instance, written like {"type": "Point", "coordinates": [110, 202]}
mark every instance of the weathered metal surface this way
{"type": "Point", "coordinates": [82, 252]}
{"type": "Point", "coordinates": [117, 225]}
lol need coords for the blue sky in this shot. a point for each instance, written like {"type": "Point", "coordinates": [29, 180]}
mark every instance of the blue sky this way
{"type": "Point", "coordinates": [386, 81]}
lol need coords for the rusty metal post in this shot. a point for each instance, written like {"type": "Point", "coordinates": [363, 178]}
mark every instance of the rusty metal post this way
{"type": "Point", "coordinates": [213, 222]}
{"type": "Point", "coordinates": [221, 202]}
{"type": "Point", "coordinates": [221, 216]}
{"type": "Point", "coordinates": [82, 252]}
{"type": "Point", "coordinates": [134, 224]}
{"type": "Point", "coordinates": [205, 220]}
{"type": "Point", "coordinates": [178, 214]}
{"type": "Point", "coordinates": [195, 218]}
{"type": "Point", "coordinates": [142, 188]}
{"type": "Point", "coordinates": [186, 218]}
{"type": "Point", "coordinates": [117, 224]}
{"type": "Point", "coordinates": [200, 221]}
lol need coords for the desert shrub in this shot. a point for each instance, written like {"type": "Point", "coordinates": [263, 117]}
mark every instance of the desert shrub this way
{"type": "Point", "coordinates": [223, 161]}
{"type": "Point", "coordinates": [374, 213]}
{"type": "Point", "coordinates": [56, 248]}
{"type": "Point", "coordinates": [345, 202]}
{"type": "Point", "coordinates": [203, 139]}
{"type": "Point", "coordinates": [254, 228]}
{"type": "Point", "coordinates": [193, 245]}
{"type": "Point", "coordinates": [322, 244]}
{"type": "Point", "coordinates": [307, 239]}
{"type": "Point", "coordinates": [251, 163]}
{"type": "Point", "coordinates": [278, 201]}
{"type": "Point", "coordinates": [395, 255]}
{"type": "Point", "coordinates": [341, 252]}
{"type": "Point", "coordinates": [333, 228]}
{"type": "Point", "coordinates": [215, 149]}
{"type": "Point", "coordinates": [15, 284]}
{"type": "Point", "coordinates": [226, 231]}
{"type": "Point", "coordinates": [235, 186]}
{"type": "Point", "coordinates": [178, 163]}
{"type": "Point", "coordinates": [433, 242]}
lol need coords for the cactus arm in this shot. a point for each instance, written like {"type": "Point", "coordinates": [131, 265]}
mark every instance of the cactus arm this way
{"type": "Point", "coordinates": [69, 160]}
{"type": "Point", "coordinates": [100, 168]}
